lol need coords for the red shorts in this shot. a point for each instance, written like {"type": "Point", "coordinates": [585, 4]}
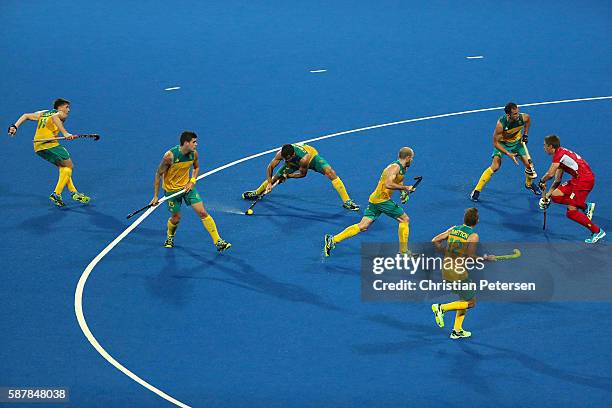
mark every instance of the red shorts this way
{"type": "Point", "coordinates": [576, 191]}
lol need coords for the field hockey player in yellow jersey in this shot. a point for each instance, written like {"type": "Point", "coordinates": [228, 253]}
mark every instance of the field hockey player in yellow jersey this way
{"type": "Point", "coordinates": [174, 172]}
{"type": "Point", "coordinates": [299, 158]}
{"type": "Point", "coordinates": [49, 124]}
{"type": "Point", "coordinates": [510, 139]}
{"type": "Point", "coordinates": [461, 243]}
{"type": "Point", "coordinates": [391, 179]}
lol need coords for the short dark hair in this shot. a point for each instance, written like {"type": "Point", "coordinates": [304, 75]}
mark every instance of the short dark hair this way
{"type": "Point", "coordinates": [510, 106]}
{"type": "Point", "coordinates": [470, 218]}
{"type": "Point", "coordinates": [60, 102]}
{"type": "Point", "coordinates": [187, 136]}
{"type": "Point", "coordinates": [287, 151]}
{"type": "Point", "coordinates": [553, 140]}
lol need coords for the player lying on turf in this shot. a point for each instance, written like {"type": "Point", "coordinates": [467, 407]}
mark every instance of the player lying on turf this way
{"type": "Point", "coordinates": [461, 242]}
{"type": "Point", "coordinates": [509, 138]}
{"type": "Point", "coordinates": [174, 171]}
{"type": "Point", "coordinates": [574, 192]}
{"type": "Point", "coordinates": [299, 158]}
{"type": "Point", "coordinates": [50, 123]}
{"type": "Point", "coordinates": [391, 179]}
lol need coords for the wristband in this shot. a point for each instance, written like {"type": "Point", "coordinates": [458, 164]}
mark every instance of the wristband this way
{"type": "Point", "coordinates": [193, 180]}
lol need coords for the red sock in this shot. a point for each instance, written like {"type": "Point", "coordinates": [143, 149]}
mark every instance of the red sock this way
{"type": "Point", "coordinates": [582, 219]}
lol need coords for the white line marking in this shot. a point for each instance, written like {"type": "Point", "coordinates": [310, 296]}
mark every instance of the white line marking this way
{"type": "Point", "coordinates": [78, 294]}
{"type": "Point", "coordinates": [475, 57]}
{"type": "Point", "coordinates": [316, 71]}
{"type": "Point", "coordinates": [172, 88]}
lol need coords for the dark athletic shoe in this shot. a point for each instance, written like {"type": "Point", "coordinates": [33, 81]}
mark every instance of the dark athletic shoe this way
{"type": "Point", "coordinates": [250, 195]}
{"type": "Point", "coordinates": [460, 334]}
{"type": "Point", "coordinates": [535, 188]}
{"type": "Point", "coordinates": [222, 246]}
{"type": "Point", "coordinates": [329, 244]}
{"type": "Point", "coordinates": [57, 199]}
{"type": "Point", "coordinates": [350, 205]}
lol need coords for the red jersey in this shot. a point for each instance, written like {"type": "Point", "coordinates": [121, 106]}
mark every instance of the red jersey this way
{"type": "Point", "coordinates": [573, 164]}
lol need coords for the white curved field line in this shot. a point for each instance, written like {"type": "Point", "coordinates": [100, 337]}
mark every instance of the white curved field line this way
{"type": "Point", "coordinates": [78, 295]}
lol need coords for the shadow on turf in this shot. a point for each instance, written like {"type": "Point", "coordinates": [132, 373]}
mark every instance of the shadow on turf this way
{"type": "Point", "coordinates": [242, 275]}
{"type": "Point", "coordinates": [422, 336]}
{"type": "Point", "coordinates": [474, 350]}
{"type": "Point", "coordinates": [43, 224]}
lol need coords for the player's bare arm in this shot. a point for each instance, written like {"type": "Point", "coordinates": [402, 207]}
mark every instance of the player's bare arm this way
{"type": "Point", "coordinates": [272, 165]}
{"type": "Point", "coordinates": [552, 170]}
{"type": "Point", "coordinates": [34, 116]}
{"type": "Point", "coordinates": [440, 239]}
{"type": "Point", "coordinates": [194, 173]}
{"type": "Point", "coordinates": [303, 168]}
{"type": "Point", "coordinates": [161, 170]}
{"type": "Point", "coordinates": [558, 176]}
{"type": "Point", "coordinates": [527, 120]}
{"type": "Point", "coordinates": [57, 119]}
{"type": "Point", "coordinates": [497, 138]}
{"type": "Point", "coordinates": [472, 245]}
{"type": "Point", "coordinates": [390, 180]}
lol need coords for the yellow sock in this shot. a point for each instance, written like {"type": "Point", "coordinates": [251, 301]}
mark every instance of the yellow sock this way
{"type": "Point", "coordinates": [64, 176]}
{"type": "Point", "coordinates": [403, 230]}
{"type": "Point", "coordinates": [211, 227]}
{"type": "Point", "coordinates": [262, 187]}
{"type": "Point", "coordinates": [171, 228]}
{"type": "Point", "coordinates": [347, 233]}
{"type": "Point", "coordinates": [528, 180]}
{"type": "Point", "coordinates": [339, 186]}
{"type": "Point", "coordinates": [459, 316]}
{"type": "Point", "coordinates": [459, 304]}
{"type": "Point", "coordinates": [70, 186]}
{"type": "Point", "coordinates": [484, 179]}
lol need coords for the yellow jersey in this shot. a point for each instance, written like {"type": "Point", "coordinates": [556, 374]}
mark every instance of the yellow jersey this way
{"type": "Point", "coordinates": [512, 131]}
{"type": "Point", "coordinates": [382, 193]}
{"type": "Point", "coordinates": [456, 250]}
{"type": "Point", "coordinates": [177, 176]}
{"type": "Point", "coordinates": [46, 129]}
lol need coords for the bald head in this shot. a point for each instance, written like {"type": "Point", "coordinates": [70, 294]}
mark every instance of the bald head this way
{"type": "Point", "coordinates": [405, 152]}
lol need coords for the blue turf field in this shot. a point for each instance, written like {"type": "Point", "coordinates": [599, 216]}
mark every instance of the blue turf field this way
{"type": "Point", "coordinates": [269, 323]}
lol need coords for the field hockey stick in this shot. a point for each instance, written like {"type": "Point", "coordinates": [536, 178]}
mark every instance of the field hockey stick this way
{"type": "Point", "coordinates": [533, 172]}
{"type": "Point", "coordinates": [249, 210]}
{"type": "Point", "coordinates": [544, 223]}
{"type": "Point", "coordinates": [513, 255]}
{"type": "Point", "coordinates": [93, 136]}
{"type": "Point", "coordinates": [405, 195]}
{"type": "Point", "coordinates": [146, 207]}
{"type": "Point", "coordinates": [165, 198]}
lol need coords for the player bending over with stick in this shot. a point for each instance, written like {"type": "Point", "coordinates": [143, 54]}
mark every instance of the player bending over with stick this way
{"type": "Point", "coordinates": [391, 179]}
{"type": "Point", "coordinates": [461, 242]}
{"type": "Point", "coordinates": [50, 123]}
{"type": "Point", "coordinates": [510, 139]}
{"type": "Point", "coordinates": [174, 171]}
{"type": "Point", "coordinates": [574, 192]}
{"type": "Point", "coordinates": [299, 158]}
